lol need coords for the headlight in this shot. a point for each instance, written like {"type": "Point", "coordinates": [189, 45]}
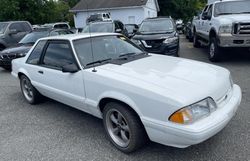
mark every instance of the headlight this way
{"type": "Point", "coordinates": [225, 29]}
{"type": "Point", "coordinates": [20, 54]}
{"type": "Point", "coordinates": [194, 112]}
{"type": "Point", "coordinates": [137, 42]}
{"type": "Point", "coordinates": [171, 40]}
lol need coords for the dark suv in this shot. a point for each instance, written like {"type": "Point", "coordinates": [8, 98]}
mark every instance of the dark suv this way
{"type": "Point", "coordinates": [12, 32]}
{"type": "Point", "coordinates": [159, 36]}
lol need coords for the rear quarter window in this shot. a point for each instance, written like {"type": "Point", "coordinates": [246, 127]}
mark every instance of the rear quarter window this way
{"type": "Point", "coordinates": [36, 53]}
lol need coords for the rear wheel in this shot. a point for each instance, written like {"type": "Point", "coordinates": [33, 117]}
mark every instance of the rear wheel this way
{"type": "Point", "coordinates": [31, 95]}
{"type": "Point", "coordinates": [214, 50]}
{"type": "Point", "coordinates": [123, 127]}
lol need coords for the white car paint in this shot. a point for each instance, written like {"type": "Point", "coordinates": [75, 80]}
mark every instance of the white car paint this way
{"type": "Point", "coordinates": [155, 87]}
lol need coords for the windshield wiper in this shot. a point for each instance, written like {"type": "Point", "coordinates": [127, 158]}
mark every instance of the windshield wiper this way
{"type": "Point", "coordinates": [126, 55]}
{"type": "Point", "coordinates": [99, 61]}
{"type": "Point", "coordinates": [244, 13]}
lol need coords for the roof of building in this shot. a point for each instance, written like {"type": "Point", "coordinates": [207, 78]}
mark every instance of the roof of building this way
{"type": "Point", "coordinates": [85, 5]}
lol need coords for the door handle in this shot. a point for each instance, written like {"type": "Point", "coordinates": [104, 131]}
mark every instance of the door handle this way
{"type": "Point", "coordinates": [40, 72]}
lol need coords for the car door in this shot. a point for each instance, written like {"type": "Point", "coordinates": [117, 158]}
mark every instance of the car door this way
{"type": "Point", "coordinates": [201, 22]}
{"type": "Point", "coordinates": [49, 79]}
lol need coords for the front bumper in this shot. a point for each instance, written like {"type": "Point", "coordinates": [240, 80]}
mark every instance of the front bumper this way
{"type": "Point", "coordinates": [163, 49]}
{"type": "Point", "coordinates": [182, 136]}
{"type": "Point", "coordinates": [5, 62]}
{"type": "Point", "coordinates": [234, 41]}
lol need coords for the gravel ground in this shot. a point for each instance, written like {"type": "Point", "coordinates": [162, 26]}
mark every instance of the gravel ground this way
{"type": "Point", "coordinates": [53, 131]}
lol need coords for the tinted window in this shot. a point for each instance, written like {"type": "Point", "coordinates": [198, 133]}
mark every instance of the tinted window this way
{"type": "Point", "coordinates": [33, 37]}
{"type": "Point", "coordinates": [58, 54]}
{"type": "Point", "coordinates": [16, 26]}
{"type": "Point", "coordinates": [36, 53]}
{"type": "Point", "coordinates": [61, 26]}
{"type": "Point", "coordinates": [26, 27]}
{"type": "Point", "coordinates": [157, 25]}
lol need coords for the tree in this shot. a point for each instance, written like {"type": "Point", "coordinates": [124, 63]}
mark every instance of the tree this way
{"type": "Point", "coordinates": [181, 9]}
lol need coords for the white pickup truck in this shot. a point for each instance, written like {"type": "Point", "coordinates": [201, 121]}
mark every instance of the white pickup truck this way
{"type": "Point", "coordinates": [223, 24]}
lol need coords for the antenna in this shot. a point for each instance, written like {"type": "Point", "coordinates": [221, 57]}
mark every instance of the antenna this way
{"type": "Point", "coordinates": [90, 37]}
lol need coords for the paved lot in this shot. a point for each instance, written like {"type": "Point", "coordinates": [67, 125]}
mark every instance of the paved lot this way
{"type": "Point", "coordinates": [52, 131]}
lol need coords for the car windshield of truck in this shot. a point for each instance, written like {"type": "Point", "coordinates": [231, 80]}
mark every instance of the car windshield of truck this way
{"type": "Point", "coordinates": [3, 27]}
{"type": "Point", "coordinates": [31, 38]}
{"type": "Point", "coordinates": [157, 26]}
{"type": "Point", "coordinates": [99, 27]}
{"type": "Point", "coordinates": [104, 49]}
{"type": "Point", "coordinates": [232, 7]}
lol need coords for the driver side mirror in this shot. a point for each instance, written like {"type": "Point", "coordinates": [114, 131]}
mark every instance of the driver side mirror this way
{"type": "Point", "coordinates": [71, 68]}
{"type": "Point", "coordinates": [118, 30]}
{"type": "Point", "coordinates": [13, 31]}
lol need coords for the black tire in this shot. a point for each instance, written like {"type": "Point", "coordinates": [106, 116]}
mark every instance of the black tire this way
{"type": "Point", "coordinates": [215, 51]}
{"type": "Point", "coordinates": [136, 134]}
{"type": "Point", "coordinates": [196, 42]}
{"type": "Point", "coordinates": [34, 96]}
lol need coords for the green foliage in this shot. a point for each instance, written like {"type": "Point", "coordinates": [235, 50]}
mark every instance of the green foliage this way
{"type": "Point", "coordinates": [181, 9]}
{"type": "Point", "coordinates": [37, 11]}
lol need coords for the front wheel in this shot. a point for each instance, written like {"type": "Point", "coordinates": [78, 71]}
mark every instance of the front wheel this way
{"type": "Point", "coordinates": [123, 127]}
{"type": "Point", "coordinates": [29, 92]}
{"type": "Point", "coordinates": [214, 51]}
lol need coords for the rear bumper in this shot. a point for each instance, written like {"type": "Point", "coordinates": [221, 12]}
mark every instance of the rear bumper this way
{"type": "Point", "coordinates": [182, 136]}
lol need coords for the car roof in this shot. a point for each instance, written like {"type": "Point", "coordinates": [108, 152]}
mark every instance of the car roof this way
{"type": "Point", "coordinates": [158, 18]}
{"type": "Point", "coordinates": [72, 37]}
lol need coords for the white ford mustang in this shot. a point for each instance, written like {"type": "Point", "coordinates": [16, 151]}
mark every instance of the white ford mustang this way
{"type": "Point", "coordinates": [139, 96]}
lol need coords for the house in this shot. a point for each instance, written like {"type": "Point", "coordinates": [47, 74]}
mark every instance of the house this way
{"type": "Point", "coordinates": [127, 11]}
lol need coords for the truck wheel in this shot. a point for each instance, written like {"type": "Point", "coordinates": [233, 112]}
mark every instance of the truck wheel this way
{"type": "Point", "coordinates": [29, 92]}
{"type": "Point", "coordinates": [123, 127]}
{"type": "Point", "coordinates": [214, 51]}
{"type": "Point", "coordinates": [196, 42]}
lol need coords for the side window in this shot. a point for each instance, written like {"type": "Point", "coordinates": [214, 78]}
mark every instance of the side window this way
{"type": "Point", "coordinates": [117, 26]}
{"type": "Point", "coordinates": [36, 53]}
{"type": "Point", "coordinates": [57, 55]}
{"type": "Point", "coordinates": [16, 26]}
{"type": "Point", "coordinates": [210, 10]}
{"type": "Point", "coordinates": [204, 11]}
{"type": "Point", "coordinates": [26, 27]}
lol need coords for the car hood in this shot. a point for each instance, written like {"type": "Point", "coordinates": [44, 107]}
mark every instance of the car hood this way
{"type": "Point", "coordinates": [153, 36]}
{"type": "Point", "coordinates": [182, 80]}
{"type": "Point", "coordinates": [228, 19]}
{"type": "Point", "coordinates": [19, 49]}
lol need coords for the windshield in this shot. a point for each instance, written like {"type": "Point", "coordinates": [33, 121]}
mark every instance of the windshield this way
{"type": "Point", "coordinates": [160, 25]}
{"type": "Point", "coordinates": [130, 28]}
{"type": "Point", "coordinates": [33, 37]}
{"type": "Point", "coordinates": [104, 48]}
{"type": "Point", "coordinates": [232, 7]}
{"type": "Point", "coordinates": [3, 27]}
{"type": "Point", "coordinates": [99, 27]}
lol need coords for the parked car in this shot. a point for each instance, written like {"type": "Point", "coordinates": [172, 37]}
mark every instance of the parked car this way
{"type": "Point", "coordinates": [98, 17]}
{"type": "Point", "coordinates": [132, 29]}
{"type": "Point", "coordinates": [159, 36]}
{"type": "Point", "coordinates": [189, 31]}
{"type": "Point", "coordinates": [180, 26]}
{"type": "Point", "coordinates": [172, 101]}
{"type": "Point", "coordinates": [20, 50]}
{"type": "Point", "coordinates": [223, 25]}
{"type": "Point", "coordinates": [108, 26]}
{"type": "Point", "coordinates": [12, 32]}
{"type": "Point", "coordinates": [57, 25]}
